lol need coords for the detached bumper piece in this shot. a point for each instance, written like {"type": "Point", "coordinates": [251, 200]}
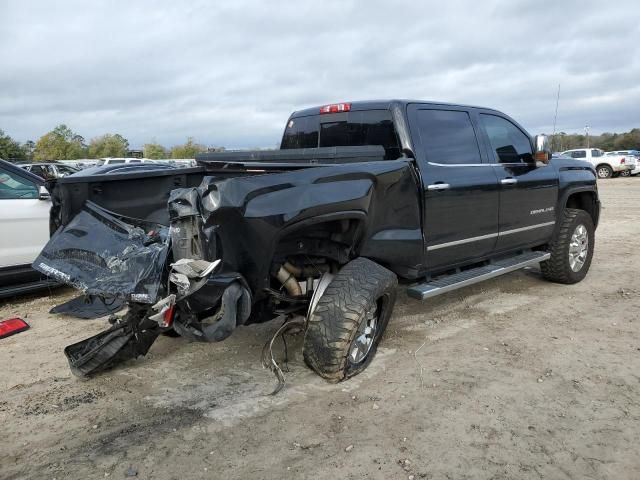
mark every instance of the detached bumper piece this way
{"type": "Point", "coordinates": [127, 339]}
{"type": "Point", "coordinates": [101, 253]}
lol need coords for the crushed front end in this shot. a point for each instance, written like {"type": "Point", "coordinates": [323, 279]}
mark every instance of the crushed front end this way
{"type": "Point", "coordinates": [168, 275]}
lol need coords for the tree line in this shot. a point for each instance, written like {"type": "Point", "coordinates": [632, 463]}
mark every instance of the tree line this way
{"type": "Point", "coordinates": [607, 141]}
{"type": "Point", "coordinates": [62, 143]}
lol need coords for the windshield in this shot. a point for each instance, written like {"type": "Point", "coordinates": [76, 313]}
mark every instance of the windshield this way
{"type": "Point", "coordinates": [352, 129]}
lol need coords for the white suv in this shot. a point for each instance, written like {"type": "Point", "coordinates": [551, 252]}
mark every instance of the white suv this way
{"type": "Point", "coordinates": [24, 223]}
{"type": "Point", "coordinates": [606, 166]}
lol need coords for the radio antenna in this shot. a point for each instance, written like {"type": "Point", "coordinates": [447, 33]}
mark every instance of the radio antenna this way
{"type": "Point", "coordinates": [555, 117]}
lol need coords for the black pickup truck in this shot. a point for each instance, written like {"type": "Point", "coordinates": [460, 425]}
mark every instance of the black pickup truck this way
{"type": "Point", "coordinates": [319, 231]}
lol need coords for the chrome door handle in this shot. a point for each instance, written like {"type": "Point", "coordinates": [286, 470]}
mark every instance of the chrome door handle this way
{"type": "Point", "coordinates": [508, 181]}
{"type": "Point", "coordinates": [438, 186]}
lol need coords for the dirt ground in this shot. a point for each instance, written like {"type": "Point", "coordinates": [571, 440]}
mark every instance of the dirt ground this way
{"type": "Point", "coordinates": [512, 378]}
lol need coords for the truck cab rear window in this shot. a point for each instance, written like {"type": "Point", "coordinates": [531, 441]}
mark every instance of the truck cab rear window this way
{"type": "Point", "coordinates": [352, 129]}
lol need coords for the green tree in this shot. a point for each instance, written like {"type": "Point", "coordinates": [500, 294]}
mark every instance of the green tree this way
{"type": "Point", "coordinates": [60, 144]}
{"type": "Point", "coordinates": [154, 151]}
{"type": "Point", "coordinates": [10, 149]}
{"type": "Point", "coordinates": [108, 145]}
{"type": "Point", "coordinates": [187, 150]}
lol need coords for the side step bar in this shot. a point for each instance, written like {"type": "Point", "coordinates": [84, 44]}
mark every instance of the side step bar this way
{"type": "Point", "coordinates": [448, 283]}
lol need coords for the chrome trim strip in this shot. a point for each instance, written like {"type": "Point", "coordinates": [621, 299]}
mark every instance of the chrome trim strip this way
{"type": "Point", "coordinates": [461, 164]}
{"type": "Point", "coordinates": [516, 164]}
{"type": "Point", "coordinates": [524, 229]}
{"type": "Point", "coordinates": [461, 242]}
{"type": "Point", "coordinates": [490, 235]}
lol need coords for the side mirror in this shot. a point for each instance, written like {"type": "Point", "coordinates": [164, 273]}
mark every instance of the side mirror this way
{"type": "Point", "coordinates": [43, 193]}
{"type": "Point", "coordinates": [542, 149]}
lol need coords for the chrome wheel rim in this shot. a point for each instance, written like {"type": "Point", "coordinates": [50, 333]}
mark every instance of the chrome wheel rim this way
{"type": "Point", "coordinates": [578, 248]}
{"type": "Point", "coordinates": [603, 172]}
{"type": "Point", "coordinates": [362, 343]}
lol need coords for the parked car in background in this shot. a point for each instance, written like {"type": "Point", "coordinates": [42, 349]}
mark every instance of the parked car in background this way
{"type": "Point", "coordinates": [24, 223]}
{"type": "Point", "coordinates": [628, 153]}
{"type": "Point", "coordinates": [607, 166]}
{"type": "Point", "coordinates": [49, 170]}
{"type": "Point", "coordinates": [80, 163]}
{"type": "Point", "coordinates": [121, 161]}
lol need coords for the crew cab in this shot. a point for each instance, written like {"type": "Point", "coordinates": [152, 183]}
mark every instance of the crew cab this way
{"type": "Point", "coordinates": [318, 232]}
{"type": "Point", "coordinates": [606, 166]}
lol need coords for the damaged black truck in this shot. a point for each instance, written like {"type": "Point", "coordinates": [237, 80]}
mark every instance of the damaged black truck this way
{"type": "Point", "coordinates": [318, 232]}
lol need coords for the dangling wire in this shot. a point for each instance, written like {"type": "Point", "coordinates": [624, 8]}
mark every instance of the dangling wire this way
{"type": "Point", "coordinates": [291, 326]}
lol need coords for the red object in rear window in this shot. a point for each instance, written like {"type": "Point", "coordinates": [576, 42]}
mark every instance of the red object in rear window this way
{"type": "Point", "coordinates": [12, 326]}
{"type": "Point", "coordinates": [336, 108]}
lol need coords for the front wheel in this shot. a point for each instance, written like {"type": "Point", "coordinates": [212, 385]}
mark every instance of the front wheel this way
{"type": "Point", "coordinates": [604, 171]}
{"type": "Point", "coordinates": [344, 329]}
{"type": "Point", "coordinates": [572, 248]}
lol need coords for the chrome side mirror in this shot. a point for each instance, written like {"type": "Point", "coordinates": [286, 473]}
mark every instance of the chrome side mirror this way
{"type": "Point", "coordinates": [43, 193]}
{"type": "Point", "coordinates": [542, 149]}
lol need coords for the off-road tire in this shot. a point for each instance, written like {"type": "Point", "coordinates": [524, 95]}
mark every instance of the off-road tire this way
{"type": "Point", "coordinates": [557, 268]}
{"type": "Point", "coordinates": [354, 291]}
{"type": "Point", "coordinates": [604, 171]}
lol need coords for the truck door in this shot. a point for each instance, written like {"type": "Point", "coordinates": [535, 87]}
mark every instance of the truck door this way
{"type": "Point", "coordinates": [460, 190]}
{"type": "Point", "coordinates": [528, 192]}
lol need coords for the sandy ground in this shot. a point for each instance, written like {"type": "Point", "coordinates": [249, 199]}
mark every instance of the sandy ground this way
{"type": "Point", "coordinates": [512, 378]}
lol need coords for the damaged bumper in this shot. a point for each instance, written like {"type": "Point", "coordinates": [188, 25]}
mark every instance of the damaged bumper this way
{"type": "Point", "coordinates": [103, 254]}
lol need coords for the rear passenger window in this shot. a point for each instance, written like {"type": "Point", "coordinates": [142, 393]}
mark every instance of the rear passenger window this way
{"type": "Point", "coordinates": [596, 153]}
{"type": "Point", "coordinates": [508, 141]}
{"type": "Point", "coordinates": [447, 136]}
{"type": "Point", "coordinates": [578, 154]}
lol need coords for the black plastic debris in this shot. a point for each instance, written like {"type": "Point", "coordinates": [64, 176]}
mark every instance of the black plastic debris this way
{"type": "Point", "coordinates": [88, 307]}
{"type": "Point", "coordinates": [101, 253]}
{"type": "Point", "coordinates": [127, 339]}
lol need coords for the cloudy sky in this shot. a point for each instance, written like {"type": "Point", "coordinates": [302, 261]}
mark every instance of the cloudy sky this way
{"type": "Point", "coordinates": [229, 73]}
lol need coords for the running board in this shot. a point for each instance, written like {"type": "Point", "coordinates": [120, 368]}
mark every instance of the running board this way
{"type": "Point", "coordinates": [448, 283]}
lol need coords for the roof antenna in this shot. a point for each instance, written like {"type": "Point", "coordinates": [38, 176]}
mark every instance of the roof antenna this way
{"type": "Point", "coordinates": [555, 117]}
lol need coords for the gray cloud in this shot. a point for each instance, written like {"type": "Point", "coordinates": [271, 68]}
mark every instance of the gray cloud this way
{"type": "Point", "coordinates": [230, 73]}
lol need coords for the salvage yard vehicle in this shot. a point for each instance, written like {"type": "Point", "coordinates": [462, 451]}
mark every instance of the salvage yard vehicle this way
{"type": "Point", "coordinates": [607, 166]}
{"type": "Point", "coordinates": [634, 155]}
{"type": "Point", "coordinates": [24, 223]}
{"type": "Point", "coordinates": [318, 232]}
{"type": "Point", "coordinates": [49, 170]}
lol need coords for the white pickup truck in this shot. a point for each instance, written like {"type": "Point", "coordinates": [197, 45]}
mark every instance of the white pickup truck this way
{"type": "Point", "coordinates": [627, 153]}
{"type": "Point", "coordinates": [606, 166]}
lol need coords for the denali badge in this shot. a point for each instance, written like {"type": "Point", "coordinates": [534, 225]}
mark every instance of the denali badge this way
{"type": "Point", "coordinates": [542, 210]}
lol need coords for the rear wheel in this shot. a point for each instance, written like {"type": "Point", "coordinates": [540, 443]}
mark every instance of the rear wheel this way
{"type": "Point", "coordinates": [572, 249]}
{"type": "Point", "coordinates": [625, 173]}
{"type": "Point", "coordinates": [344, 329]}
{"type": "Point", "coordinates": [604, 171]}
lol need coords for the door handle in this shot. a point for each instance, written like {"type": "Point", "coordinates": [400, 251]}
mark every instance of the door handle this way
{"type": "Point", "coordinates": [508, 181]}
{"type": "Point", "coordinates": [438, 186]}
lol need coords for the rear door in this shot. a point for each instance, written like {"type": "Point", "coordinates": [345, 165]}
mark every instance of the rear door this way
{"type": "Point", "coordinates": [528, 191]}
{"type": "Point", "coordinates": [460, 187]}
